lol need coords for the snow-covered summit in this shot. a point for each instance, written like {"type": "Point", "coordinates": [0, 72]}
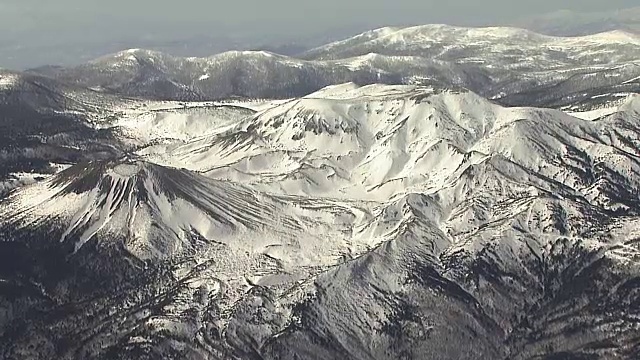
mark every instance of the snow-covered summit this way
{"type": "Point", "coordinates": [618, 36]}
{"type": "Point", "coordinates": [378, 141]}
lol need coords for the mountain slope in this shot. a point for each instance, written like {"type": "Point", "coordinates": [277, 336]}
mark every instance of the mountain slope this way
{"type": "Point", "coordinates": [356, 222]}
{"type": "Point", "coordinates": [505, 47]}
{"type": "Point", "coordinates": [48, 125]}
{"type": "Point", "coordinates": [137, 201]}
{"type": "Point", "coordinates": [378, 141]}
{"type": "Point", "coordinates": [253, 74]}
{"type": "Point", "coordinates": [580, 87]}
{"type": "Point", "coordinates": [503, 262]}
{"type": "Point", "coordinates": [145, 240]}
{"type": "Point", "coordinates": [45, 124]}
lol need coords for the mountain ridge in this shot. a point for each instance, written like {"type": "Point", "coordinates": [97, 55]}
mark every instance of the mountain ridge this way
{"type": "Point", "coordinates": [484, 60]}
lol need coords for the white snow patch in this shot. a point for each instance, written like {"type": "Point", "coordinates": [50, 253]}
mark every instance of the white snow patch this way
{"type": "Point", "coordinates": [594, 114]}
{"type": "Point", "coordinates": [8, 81]}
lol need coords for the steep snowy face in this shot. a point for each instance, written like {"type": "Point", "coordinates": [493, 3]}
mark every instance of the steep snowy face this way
{"type": "Point", "coordinates": [157, 212]}
{"type": "Point", "coordinates": [375, 142]}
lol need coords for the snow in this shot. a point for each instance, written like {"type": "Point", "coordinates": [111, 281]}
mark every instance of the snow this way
{"type": "Point", "coordinates": [7, 80]}
{"type": "Point", "coordinates": [126, 170]}
{"type": "Point", "coordinates": [361, 61]}
{"type": "Point", "coordinates": [256, 104]}
{"type": "Point", "coordinates": [400, 129]}
{"type": "Point", "coordinates": [19, 179]}
{"type": "Point", "coordinates": [493, 47]}
{"type": "Point", "coordinates": [594, 114]}
{"type": "Point", "coordinates": [215, 210]}
{"type": "Point", "coordinates": [631, 80]}
{"type": "Point", "coordinates": [175, 122]}
{"type": "Point", "coordinates": [372, 142]}
{"type": "Point", "coordinates": [439, 32]}
{"type": "Point", "coordinates": [610, 108]}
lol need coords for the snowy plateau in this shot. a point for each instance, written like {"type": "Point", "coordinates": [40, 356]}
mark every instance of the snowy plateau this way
{"type": "Point", "coordinates": [431, 192]}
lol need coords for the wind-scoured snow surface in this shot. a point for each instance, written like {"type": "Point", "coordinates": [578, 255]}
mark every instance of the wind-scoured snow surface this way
{"type": "Point", "coordinates": [178, 124]}
{"type": "Point", "coordinates": [357, 222]}
{"type": "Point", "coordinates": [377, 141]}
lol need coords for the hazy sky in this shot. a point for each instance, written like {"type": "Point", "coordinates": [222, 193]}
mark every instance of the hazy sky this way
{"type": "Point", "coordinates": [33, 23]}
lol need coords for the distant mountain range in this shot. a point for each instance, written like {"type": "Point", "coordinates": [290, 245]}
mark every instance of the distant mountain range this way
{"type": "Point", "coordinates": [21, 53]}
{"type": "Point", "coordinates": [488, 61]}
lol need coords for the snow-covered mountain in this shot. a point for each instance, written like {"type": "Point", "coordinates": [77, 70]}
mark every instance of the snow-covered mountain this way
{"type": "Point", "coordinates": [523, 68]}
{"type": "Point", "coordinates": [157, 212]}
{"type": "Point", "coordinates": [252, 74]}
{"type": "Point", "coordinates": [356, 222]}
{"type": "Point", "coordinates": [494, 46]}
{"type": "Point", "coordinates": [492, 62]}
{"type": "Point", "coordinates": [125, 217]}
{"type": "Point", "coordinates": [47, 125]}
{"type": "Point", "coordinates": [379, 141]}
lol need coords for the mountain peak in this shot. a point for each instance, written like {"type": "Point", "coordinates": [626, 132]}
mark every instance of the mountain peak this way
{"type": "Point", "coordinates": [135, 201]}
